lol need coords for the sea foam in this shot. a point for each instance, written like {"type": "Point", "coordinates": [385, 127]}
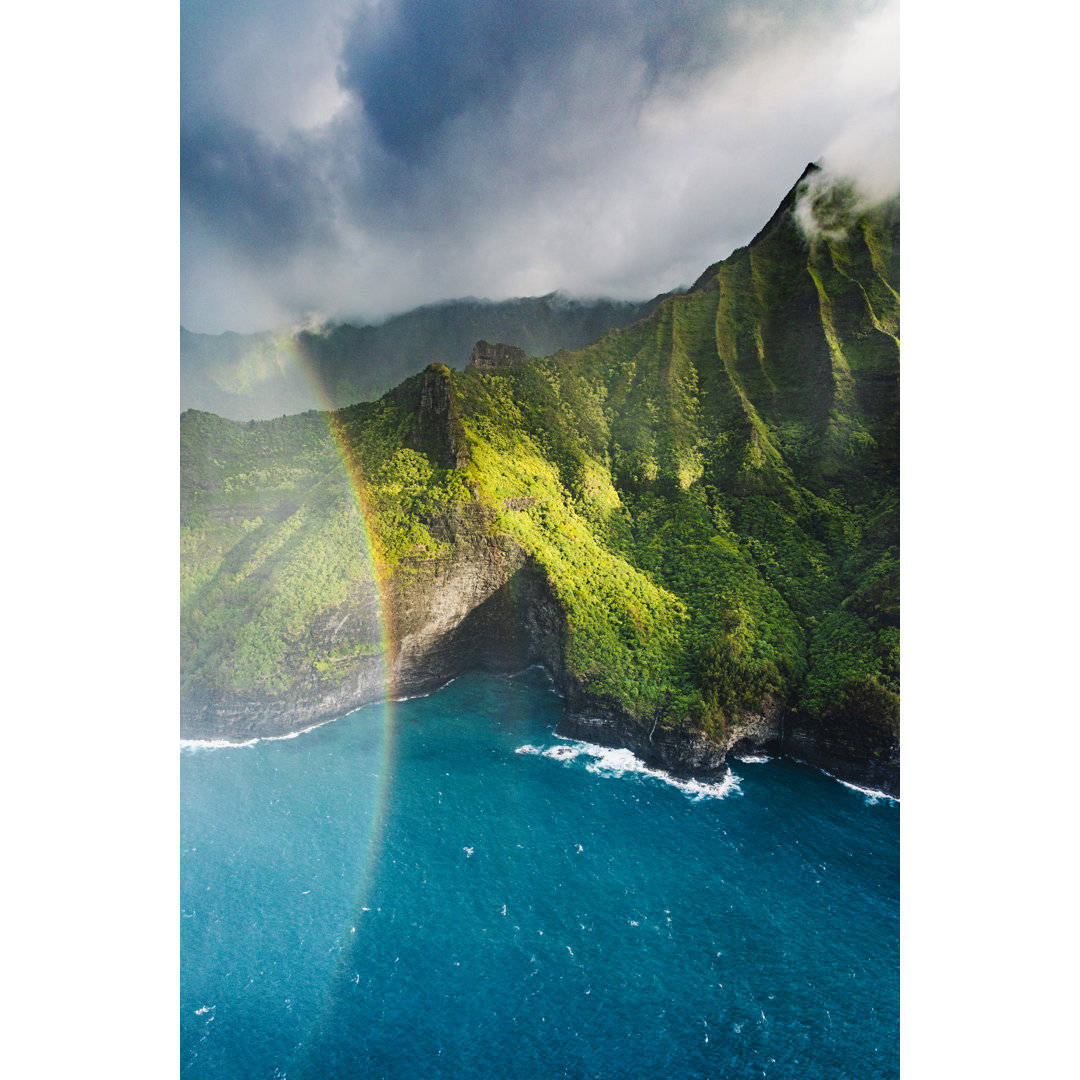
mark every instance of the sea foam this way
{"type": "Point", "coordinates": [872, 796]}
{"type": "Point", "coordinates": [225, 744]}
{"type": "Point", "coordinates": [618, 762]}
{"type": "Point", "coordinates": [420, 697]}
{"type": "Point", "coordinates": [213, 744]}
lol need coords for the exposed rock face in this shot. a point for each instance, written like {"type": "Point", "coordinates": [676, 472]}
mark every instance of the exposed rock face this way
{"type": "Point", "coordinates": [682, 751]}
{"type": "Point", "coordinates": [489, 357]}
{"type": "Point", "coordinates": [437, 431]}
{"type": "Point", "coordinates": [865, 760]}
{"type": "Point", "coordinates": [474, 613]}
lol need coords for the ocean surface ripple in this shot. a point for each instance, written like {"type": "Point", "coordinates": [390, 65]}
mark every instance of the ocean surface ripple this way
{"type": "Point", "coordinates": [443, 887]}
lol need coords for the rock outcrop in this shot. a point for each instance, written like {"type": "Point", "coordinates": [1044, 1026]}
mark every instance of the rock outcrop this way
{"type": "Point", "coordinates": [682, 750]}
{"type": "Point", "coordinates": [861, 754]}
{"type": "Point", "coordinates": [437, 428]}
{"type": "Point", "coordinates": [491, 357]}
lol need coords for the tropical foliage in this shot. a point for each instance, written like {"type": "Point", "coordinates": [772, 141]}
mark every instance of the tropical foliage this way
{"type": "Point", "coordinates": [712, 494]}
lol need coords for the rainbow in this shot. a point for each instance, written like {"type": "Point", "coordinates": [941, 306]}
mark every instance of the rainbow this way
{"type": "Point", "coordinates": [387, 635]}
{"type": "Point", "coordinates": [287, 353]}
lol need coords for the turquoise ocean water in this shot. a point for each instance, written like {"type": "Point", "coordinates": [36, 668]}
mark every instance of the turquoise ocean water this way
{"type": "Point", "coordinates": [444, 888]}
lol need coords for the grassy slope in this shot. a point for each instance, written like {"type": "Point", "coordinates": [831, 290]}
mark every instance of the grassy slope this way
{"type": "Point", "coordinates": [714, 500]}
{"type": "Point", "coordinates": [716, 487]}
{"type": "Point", "coordinates": [273, 541]}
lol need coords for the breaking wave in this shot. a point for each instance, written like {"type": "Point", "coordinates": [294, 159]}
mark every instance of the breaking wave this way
{"type": "Point", "coordinates": [213, 744]}
{"type": "Point", "coordinates": [611, 762]}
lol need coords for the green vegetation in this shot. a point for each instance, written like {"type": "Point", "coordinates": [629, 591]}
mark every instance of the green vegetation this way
{"type": "Point", "coordinates": [276, 545]}
{"type": "Point", "coordinates": [716, 488]}
{"type": "Point", "coordinates": [712, 494]}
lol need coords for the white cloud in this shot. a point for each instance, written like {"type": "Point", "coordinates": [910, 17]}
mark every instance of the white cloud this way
{"type": "Point", "coordinates": [587, 178]}
{"type": "Point", "coordinates": [271, 65]}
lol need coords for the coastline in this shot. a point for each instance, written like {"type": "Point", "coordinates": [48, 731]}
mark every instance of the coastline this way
{"type": "Point", "coordinates": [681, 757]}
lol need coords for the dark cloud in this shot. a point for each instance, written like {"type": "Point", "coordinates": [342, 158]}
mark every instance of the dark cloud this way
{"type": "Point", "coordinates": [493, 148]}
{"type": "Point", "coordinates": [430, 63]}
{"type": "Point", "coordinates": [266, 200]}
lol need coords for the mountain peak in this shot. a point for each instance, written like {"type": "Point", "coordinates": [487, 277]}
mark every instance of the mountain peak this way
{"type": "Point", "coordinates": [786, 203]}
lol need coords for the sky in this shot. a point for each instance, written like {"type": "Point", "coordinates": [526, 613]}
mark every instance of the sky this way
{"type": "Point", "coordinates": [351, 159]}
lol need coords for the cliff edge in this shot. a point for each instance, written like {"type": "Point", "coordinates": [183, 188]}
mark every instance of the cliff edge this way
{"type": "Point", "coordinates": [692, 523]}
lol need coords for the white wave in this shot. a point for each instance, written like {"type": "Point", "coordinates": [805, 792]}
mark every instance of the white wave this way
{"type": "Point", "coordinates": [224, 744]}
{"type": "Point", "coordinates": [753, 759]}
{"type": "Point", "coordinates": [293, 734]}
{"type": "Point", "coordinates": [872, 796]}
{"type": "Point", "coordinates": [531, 667]}
{"type": "Point", "coordinates": [213, 744]}
{"type": "Point", "coordinates": [562, 753]}
{"type": "Point", "coordinates": [417, 697]}
{"type": "Point", "coordinates": [618, 762]}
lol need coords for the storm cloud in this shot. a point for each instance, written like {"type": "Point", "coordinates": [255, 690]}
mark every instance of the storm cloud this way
{"type": "Point", "coordinates": [354, 160]}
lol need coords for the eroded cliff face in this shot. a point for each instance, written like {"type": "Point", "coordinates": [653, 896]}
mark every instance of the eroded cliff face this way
{"type": "Point", "coordinates": [482, 606]}
{"type": "Point", "coordinates": [869, 760]}
{"type": "Point", "coordinates": [486, 356]}
{"type": "Point", "coordinates": [492, 609]}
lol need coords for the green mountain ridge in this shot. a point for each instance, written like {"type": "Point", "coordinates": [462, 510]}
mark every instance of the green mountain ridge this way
{"type": "Point", "coordinates": [693, 522]}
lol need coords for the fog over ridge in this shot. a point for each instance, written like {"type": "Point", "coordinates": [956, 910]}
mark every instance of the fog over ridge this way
{"type": "Point", "coordinates": [362, 159]}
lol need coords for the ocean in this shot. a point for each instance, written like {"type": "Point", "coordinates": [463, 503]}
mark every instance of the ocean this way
{"type": "Point", "coordinates": [443, 887]}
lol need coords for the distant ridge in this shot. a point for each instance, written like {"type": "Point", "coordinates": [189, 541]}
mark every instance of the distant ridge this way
{"type": "Point", "coordinates": [264, 375]}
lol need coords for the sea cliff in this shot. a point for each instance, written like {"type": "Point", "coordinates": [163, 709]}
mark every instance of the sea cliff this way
{"type": "Point", "coordinates": [692, 524]}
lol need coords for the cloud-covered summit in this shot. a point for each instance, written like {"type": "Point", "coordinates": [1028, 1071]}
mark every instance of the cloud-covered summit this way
{"type": "Point", "coordinates": [357, 159]}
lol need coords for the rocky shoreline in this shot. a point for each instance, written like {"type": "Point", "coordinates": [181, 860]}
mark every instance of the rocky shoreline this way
{"type": "Point", "coordinates": [682, 754]}
{"type": "Point", "coordinates": [514, 622]}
